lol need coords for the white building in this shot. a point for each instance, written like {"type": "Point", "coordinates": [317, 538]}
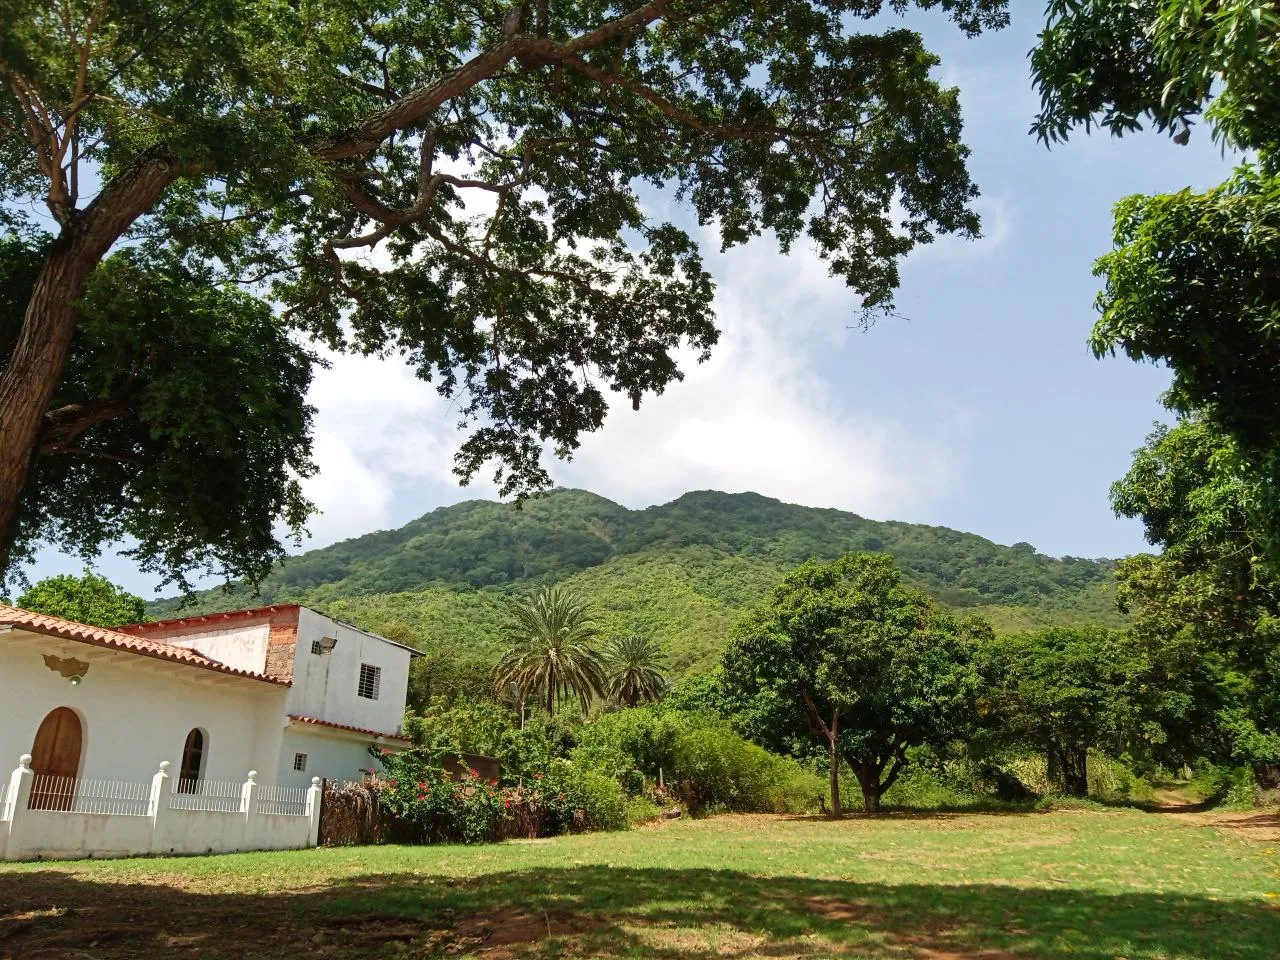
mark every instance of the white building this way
{"type": "Point", "coordinates": [283, 691]}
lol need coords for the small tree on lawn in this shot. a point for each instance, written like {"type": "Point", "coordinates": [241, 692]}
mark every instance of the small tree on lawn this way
{"type": "Point", "coordinates": [552, 649]}
{"type": "Point", "coordinates": [865, 665]}
{"type": "Point", "coordinates": [89, 599]}
{"type": "Point", "coordinates": [1065, 690]}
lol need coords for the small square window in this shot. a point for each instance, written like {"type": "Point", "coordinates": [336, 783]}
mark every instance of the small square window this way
{"type": "Point", "coordinates": [370, 681]}
{"type": "Point", "coordinates": [317, 647]}
{"type": "Point", "coordinates": [300, 761]}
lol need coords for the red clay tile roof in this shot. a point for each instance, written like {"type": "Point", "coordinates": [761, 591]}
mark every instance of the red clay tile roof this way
{"type": "Point", "coordinates": [343, 726]}
{"type": "Point", "coordinates": [52, 626]}
{"type": "Point", "coordinates": [206, 617]}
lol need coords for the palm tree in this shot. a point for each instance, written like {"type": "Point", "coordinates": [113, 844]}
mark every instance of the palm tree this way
{"type": "Point", "coordinates": [551, 651]}
{"type": "Point", "coordinates": [635, 669]}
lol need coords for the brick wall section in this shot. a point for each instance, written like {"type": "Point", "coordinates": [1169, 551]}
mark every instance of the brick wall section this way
{"type": "Point", "coordinates": [282, 640]}
{"type": "Point", "coordinates": [282, 643]}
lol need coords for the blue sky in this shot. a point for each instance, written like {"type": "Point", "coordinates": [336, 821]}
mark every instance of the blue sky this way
{"type": "Point", "coordinates": [979, 407]}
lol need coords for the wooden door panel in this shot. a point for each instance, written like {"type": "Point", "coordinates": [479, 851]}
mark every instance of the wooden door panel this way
{"type": "Point", "coordinates": [55, 760]}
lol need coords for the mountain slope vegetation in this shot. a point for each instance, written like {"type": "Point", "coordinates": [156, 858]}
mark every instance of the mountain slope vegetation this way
{"type": "Point", "coordinates": [682, 572]}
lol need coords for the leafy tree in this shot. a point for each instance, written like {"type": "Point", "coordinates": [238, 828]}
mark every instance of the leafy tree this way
{"type": "Point", "coordinates": [1064, 690]}
{"type": "Point", "coordinates": [178, 423]}
{"type": "Point", "coordinates": [493, 157]}
{"type": "Point", "coordinates": [1192, 281]}
{"type": "Point", "coordinates": [634, 664]}
{"type": "Point", "coordinates": [1209, 604]}
{"type": "Point", "coordinates": [866, 665]}
{"type": "Point", "coordinates": [552, 652]}
{"type": "Point", "coordinates": [88, 599]}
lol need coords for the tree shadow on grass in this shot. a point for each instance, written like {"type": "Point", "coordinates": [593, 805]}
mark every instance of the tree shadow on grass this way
{"type": "Point", "coordinates": [597, 911]}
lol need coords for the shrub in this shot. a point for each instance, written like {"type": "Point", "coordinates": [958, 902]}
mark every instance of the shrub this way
{"type": "Point", "coordinates": [1240, 791]}
{"type": "Point", "coordinates": [1113, 779]}
{"type": "Point", "coordinates": [647, 735]}
{"type": "Point", "coordinates": [602, 802]}
{"type": "Point", "coordinates": [417, 792]}
{"type": "Point", "coordinates": [714, 768]}
{"type": "Point", "coordinates": [610, 761]}
{"type": "Point", "coordinates": [798, 789]}
{"type": "Point", "coordinates": [641, 810]}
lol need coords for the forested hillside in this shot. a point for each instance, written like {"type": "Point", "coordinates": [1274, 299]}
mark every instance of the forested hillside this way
{"type": "Point", "coordinates": [683, 571]}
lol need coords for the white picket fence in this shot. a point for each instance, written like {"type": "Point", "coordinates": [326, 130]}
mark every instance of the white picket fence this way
{"type": "Point", "coordinates": [215, 796]}
{"type": "Point", "coordinates": [79, 795]}
{"type": "Point", "coordinates": [70, 817]}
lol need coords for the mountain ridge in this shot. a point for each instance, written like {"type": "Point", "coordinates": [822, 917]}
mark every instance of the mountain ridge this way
{"type": "Point", "coordinates": [483, 544]}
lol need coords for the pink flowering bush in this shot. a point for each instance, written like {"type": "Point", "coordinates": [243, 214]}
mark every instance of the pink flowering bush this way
{"type": "Point", "coordinates": [435, 808]}
{"type": "Point", "coordinates": [426, 806]}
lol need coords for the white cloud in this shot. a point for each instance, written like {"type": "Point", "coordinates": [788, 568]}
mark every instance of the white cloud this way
{"type": "Point", "coordinates": [758, 416]}
{"type": "Point", "coordinates": [381, 433]}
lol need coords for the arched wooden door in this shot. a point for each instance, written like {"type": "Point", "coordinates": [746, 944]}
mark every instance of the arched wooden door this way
{"type": "Point", "coordinates": [55, 760]}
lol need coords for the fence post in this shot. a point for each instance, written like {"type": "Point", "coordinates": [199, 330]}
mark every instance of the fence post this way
{"type": "Point", "coordinates": [158, 807]}
{"type": "Point", "coordinates": [249, 794]}
{"type": "Point", "coordinates": [248, 811]}
{"type": "Point", "coordinates": [314, 795]}
{"type": "Point", "coordinates": [14, 803]}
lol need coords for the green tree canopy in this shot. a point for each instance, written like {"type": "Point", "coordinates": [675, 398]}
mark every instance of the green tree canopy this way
{"type": "Point", "coordinates": [1063, 690]}
{"type": "Point", "coordinates": [553, 651]}
{"type": "Point", "coordinates": [843, 655]}
{"type": "Point", "coordinates": [87, 599]}
{"type": "Point", "coordinates": [1192, 281]}
{"type": "Point", "coordinates": [461, 183]}
{"type": "Point", "coordinates": [1207, 608]}
{"type": "Point", "coordinates": [179, 422]}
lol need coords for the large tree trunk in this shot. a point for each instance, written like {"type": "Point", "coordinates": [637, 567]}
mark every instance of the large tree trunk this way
{"type": "Point", "coordinates": [869, 780]}
{"type": "Point", "coordinates": [1073, 763]}
{"type": "Point", "coordinates": [40, 352]}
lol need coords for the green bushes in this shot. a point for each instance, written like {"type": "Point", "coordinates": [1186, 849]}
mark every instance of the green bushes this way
{"type": "Point", "coordinates": [432, 808]}
{"type": "Point", "coordinates": [707, 765]}
{"type": "Point", "coordinates": [426, 806]}
{"type": "Point", "coordinates": [602, 802]}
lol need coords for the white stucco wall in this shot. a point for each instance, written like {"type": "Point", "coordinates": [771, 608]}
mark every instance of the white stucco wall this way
{"type": "Point", "coordinates": [45, 834]}
{"type": "Point", "coordinates": [324, 686]}
{"type": "Point", "coordinates": [244, 648]}
{"type": "Point", "coordinates": [330, 756]}
{"type": "Point", "coordinates": [136, 711]}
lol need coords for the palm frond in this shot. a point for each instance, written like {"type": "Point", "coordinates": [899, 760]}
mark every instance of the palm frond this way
{"type": "Point", "coordinates": [635, 669]}
{"type": "Point", "coordinates": [552, 651]}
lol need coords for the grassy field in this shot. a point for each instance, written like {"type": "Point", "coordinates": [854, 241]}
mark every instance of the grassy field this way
{"type": "Point", "coordinates": [1097, 885]}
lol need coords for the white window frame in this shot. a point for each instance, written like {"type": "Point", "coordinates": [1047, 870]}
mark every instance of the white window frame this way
{"type": "Point", "coordinates": [300, 762]}
{"type": "Point", "coordinates": [369, 683]}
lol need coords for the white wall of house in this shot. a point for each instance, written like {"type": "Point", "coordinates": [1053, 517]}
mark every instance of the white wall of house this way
{"type": "Point", "coordinates": [244, 648]}
{"type": "Point", "coordinates": [325, 685]}
{"type": "Point", "coordinates": [330, 755]}
{"type": "Point", "coordinates": [136, 711]}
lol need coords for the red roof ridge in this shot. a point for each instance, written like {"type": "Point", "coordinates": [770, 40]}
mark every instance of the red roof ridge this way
{"type": "Point", "coordinates": [49, 625]}
{"type": "Point", "coordinates": [207, 617]}
{"type": "Point", "coordinates": [316, 721]}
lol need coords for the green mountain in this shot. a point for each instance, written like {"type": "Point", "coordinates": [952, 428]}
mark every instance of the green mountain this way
{"type": "Point", "coordinates": [684, 571]}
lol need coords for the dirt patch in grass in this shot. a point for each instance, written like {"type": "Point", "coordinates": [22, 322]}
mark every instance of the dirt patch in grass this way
{"type": "Point", "coordinates": [1263, 827]}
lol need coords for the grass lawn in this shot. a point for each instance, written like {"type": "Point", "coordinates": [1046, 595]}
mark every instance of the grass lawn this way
{"type": "Point", "coordinates": [1092, 885]}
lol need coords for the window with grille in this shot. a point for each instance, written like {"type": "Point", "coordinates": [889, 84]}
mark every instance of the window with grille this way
{"type": "Point", "coordinates": [370, 681]}
{"type": "Point", "coordinates": [300, 761]}
{"type": "Point", "coordinates": [316, 647]}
